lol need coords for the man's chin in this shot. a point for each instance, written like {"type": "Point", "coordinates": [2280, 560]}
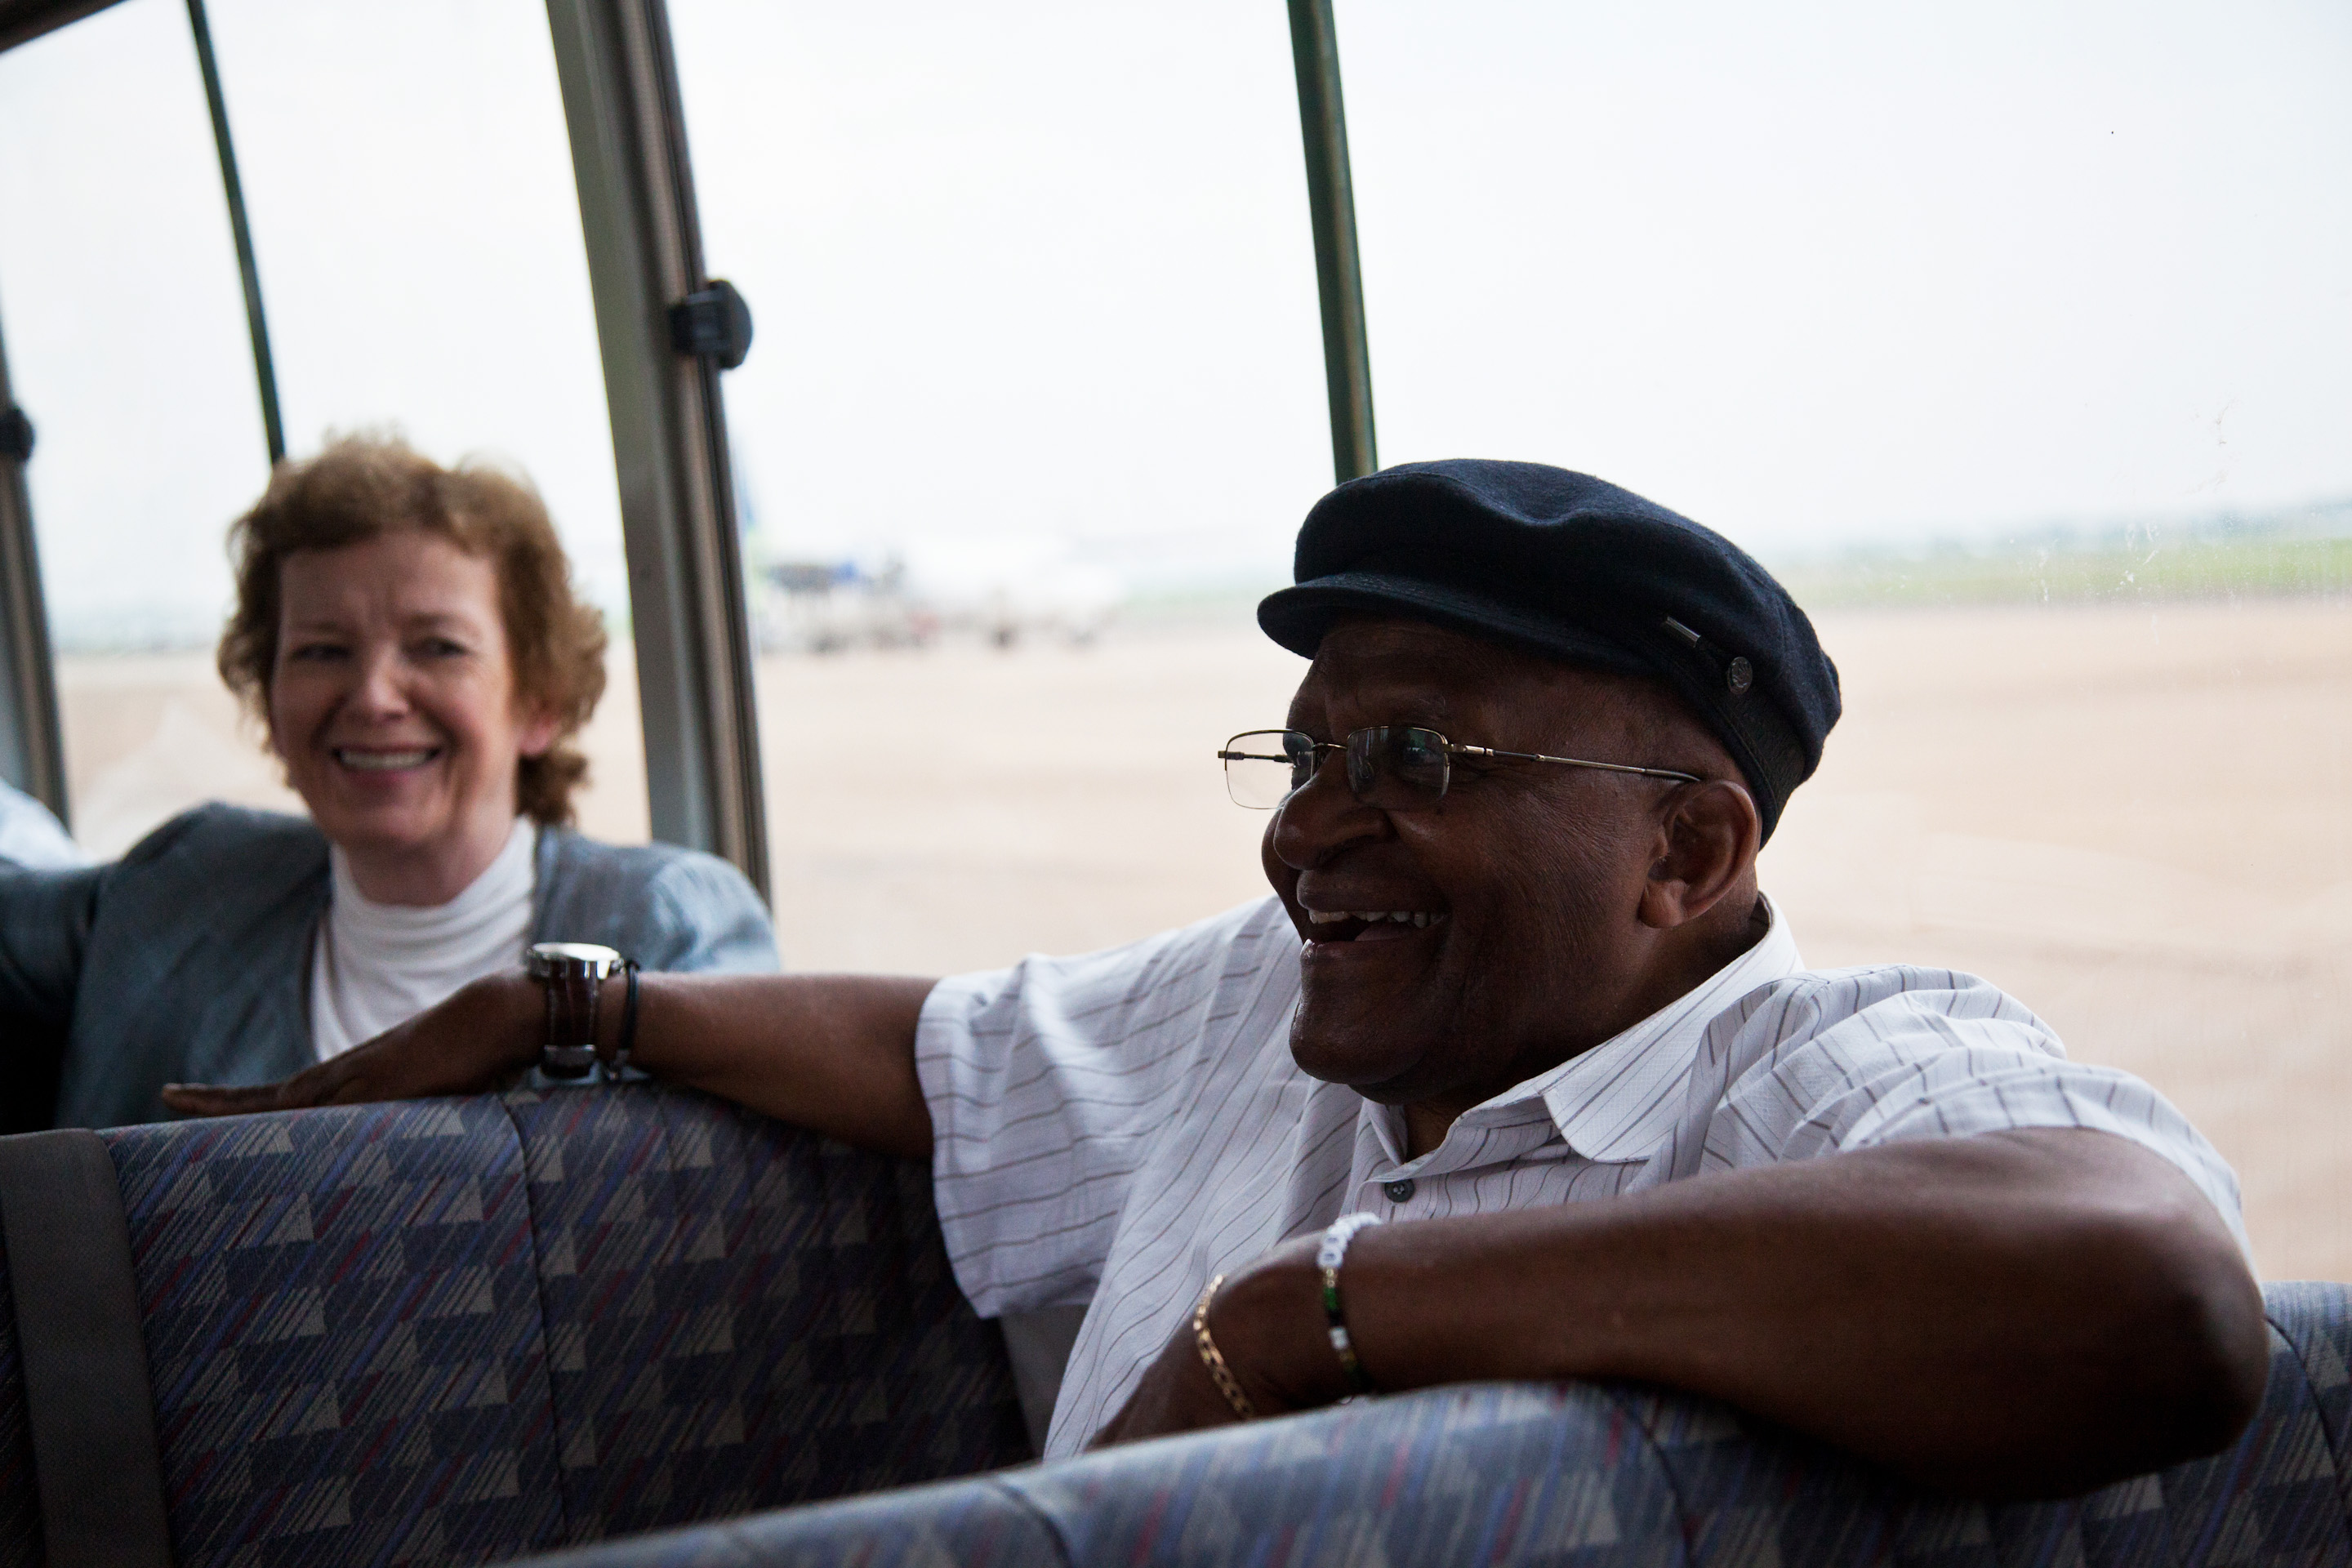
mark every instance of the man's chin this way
{"type": "Point", "coordinates": [1369, 1059]}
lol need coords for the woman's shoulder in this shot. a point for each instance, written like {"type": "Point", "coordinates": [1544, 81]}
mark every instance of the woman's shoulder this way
{"type": "Point", "coordinates": [572, 855]}
{"type": "Point", "coordinates": [668, 906]}
{"type": "Point", "coordinates": [206, 873]}
{"type": "Point", "coordinates": [255, 842]}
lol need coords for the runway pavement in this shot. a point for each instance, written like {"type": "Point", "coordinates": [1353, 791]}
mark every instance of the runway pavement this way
{"type": "Point", "coordinates": [2134, 818]}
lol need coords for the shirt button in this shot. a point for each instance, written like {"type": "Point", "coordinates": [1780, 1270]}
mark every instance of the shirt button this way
{"type": "Point", "coordinates": [1399, 1191]}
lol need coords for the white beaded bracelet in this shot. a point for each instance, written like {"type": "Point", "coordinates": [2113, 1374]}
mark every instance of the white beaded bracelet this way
{"type": "Point", "coordinates": [1328, 1258]}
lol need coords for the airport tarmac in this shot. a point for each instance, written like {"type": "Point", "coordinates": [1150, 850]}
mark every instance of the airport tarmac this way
{"type": "Point", "coordinates": [2132, 817]}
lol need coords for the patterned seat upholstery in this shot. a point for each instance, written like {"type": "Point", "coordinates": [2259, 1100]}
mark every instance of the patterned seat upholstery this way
{"type": "Point", "coordinates": [343, 1334]}
{"type": "Point", "coordinates": [2275, 1498]}
{"type": "Point", "coordinates": [463, 1330]}
{"type": "Point", "coordinates": [469, 1330]}
{"type": "Point", "coordinates": [1587, 1476]}
{"type": "Point", "coordinates": [740, 1315]}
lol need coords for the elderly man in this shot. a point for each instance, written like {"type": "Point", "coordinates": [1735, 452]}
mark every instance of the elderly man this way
{"type": "Point", "coordinates": [1517, 987]}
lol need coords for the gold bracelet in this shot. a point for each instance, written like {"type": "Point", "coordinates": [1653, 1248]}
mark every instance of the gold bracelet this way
{"type": "Point", "coordinates": [1211, 1357]}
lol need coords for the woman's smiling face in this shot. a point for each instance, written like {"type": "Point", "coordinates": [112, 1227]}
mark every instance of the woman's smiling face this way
{"type": "Point", "coordinates": [393, 704]}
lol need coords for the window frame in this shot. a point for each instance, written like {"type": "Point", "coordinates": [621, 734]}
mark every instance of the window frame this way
{"type": "Point", "coordinates": [643, 239]}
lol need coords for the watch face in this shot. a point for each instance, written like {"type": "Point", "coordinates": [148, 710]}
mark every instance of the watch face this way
{"type": "Point", "coordinates": [552, 958]}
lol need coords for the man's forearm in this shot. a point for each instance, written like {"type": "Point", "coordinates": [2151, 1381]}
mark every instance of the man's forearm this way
{"type": "Point", "coordinates": [2023, 1312]}
{"type": "Point", "coordinates": [831, 1052]}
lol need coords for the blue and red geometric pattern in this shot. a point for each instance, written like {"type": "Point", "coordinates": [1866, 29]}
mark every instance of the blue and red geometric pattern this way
{"type": "Point", "coordinates": [469, 1331]}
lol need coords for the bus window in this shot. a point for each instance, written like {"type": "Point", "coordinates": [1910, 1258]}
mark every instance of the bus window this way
{"type": "Point", "coordinates": [126, 341]}
{"type": "Point", "coordinates": [410, 186]}
{"type": "Point", "coordinates": [1036, 404]}
{"type": "Point", "coordinates": [2016, 343]}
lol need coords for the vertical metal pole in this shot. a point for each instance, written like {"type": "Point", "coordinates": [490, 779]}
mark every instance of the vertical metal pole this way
{"type": "Point", "coordinates": [1339, 272]}
{"type": "Point", "coordinates": [32, 744]}
{"type": "Point", "coordinates": [621, 104]}
{"type": "Point", "coordinates": [264, 371]}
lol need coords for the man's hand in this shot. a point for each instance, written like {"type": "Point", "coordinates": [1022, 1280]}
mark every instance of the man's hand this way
{"type": "Point", "coordinates": [479, 1039]}
{"type": "Point", "coordinates": [1267, 1321]}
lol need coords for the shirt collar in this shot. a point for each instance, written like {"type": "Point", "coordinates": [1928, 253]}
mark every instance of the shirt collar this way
{"type": "Point", "coordinates": [1615, 1102]}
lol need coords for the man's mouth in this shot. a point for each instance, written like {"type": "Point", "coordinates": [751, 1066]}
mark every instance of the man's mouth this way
{"type": "Point", "coordinates": [1370, 925]}
{"type": "Point", "coordinates": [384, 761]}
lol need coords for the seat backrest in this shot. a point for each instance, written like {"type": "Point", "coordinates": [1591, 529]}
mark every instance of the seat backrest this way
{"type": "Point", "coordinates": [20, 1510]}
{"type": "Point", "coordinates": [1589, 1475]}
{"type": "Point", "coordinates": [2276, 1496]}
{"type": "Point", "coordinates": [465, 1330]}
{"type": "Point", "coordinates": [460, 1330]}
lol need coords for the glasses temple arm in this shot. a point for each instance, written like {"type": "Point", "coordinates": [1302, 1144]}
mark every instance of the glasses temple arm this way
{"type": "Point", "coordinates": [1576, 762]}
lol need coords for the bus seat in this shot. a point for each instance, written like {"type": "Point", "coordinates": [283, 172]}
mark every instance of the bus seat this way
{"type": "Point", "coordinates": [462, 1331]}
{"type": "Point", "coordinates": [1594, 1475]}
{"type": "Point", "coordinates": [470, 1330]}
{"type": "Point", "coordinates": [738, 1312]}
{"type": "Point", "coordinates": [20, 1516]}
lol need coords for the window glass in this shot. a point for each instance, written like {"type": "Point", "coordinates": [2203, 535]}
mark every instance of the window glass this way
{"type": "Point", "coordinates": [409, 182]}
{"type": "Point", "coordinates": [1035, 407]}
{"type": "Point", "coordinates": [2015, 338]}
{"type": "Point", "coordinates": [126, 344]}
{"type": "Point", "coordinates": [410, 191]}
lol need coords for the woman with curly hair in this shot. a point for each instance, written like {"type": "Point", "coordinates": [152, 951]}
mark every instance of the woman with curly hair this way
{"type": "Point", "coordinates": [409, 637]}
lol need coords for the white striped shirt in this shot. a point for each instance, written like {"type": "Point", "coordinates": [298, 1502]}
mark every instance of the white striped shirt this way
{"type": "Point", "coordinates": [1112, 1130]}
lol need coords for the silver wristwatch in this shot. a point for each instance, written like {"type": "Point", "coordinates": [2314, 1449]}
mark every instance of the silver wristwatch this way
{"type": "Point", "coordinates": [573, 973]}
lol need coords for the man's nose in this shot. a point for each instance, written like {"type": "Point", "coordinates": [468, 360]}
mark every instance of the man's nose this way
{"type": "Point", "coordinates": [1322, 817]}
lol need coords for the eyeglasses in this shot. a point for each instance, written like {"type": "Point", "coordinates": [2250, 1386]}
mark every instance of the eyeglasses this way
{"type": "Point", "coordinates": [1390, 768]}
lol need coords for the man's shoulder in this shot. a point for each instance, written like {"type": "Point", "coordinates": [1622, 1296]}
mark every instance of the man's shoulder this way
{"type": "Point", "coordinates": [1808, 1001]}
{"type": "Point", "coordinates": [1243, 945]}
{"type": "Point", "coordinates": [1216, 978]}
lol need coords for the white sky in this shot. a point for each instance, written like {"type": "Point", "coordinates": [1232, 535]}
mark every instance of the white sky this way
{"type": "Point", "coordinates": [1034, 279]}
{"type": "Point", "coordinates": [1838, 269]}
{"type": "Point", "coordinates": [409, 182]}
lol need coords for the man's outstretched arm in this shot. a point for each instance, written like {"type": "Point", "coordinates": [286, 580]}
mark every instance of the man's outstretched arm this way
{"type": "Point", "coordinates": [831, 1052]}
{"type": "Point", "coordinates": [2020, 1313]}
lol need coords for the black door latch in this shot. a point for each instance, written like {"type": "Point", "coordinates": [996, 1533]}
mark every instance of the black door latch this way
{"type": "Point", "coordinates": [714, 323]}
{"type": "Point", "coordinates": [16, 436]}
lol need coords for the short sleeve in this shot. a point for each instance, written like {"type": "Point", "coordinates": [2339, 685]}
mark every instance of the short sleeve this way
{"type": "Point", "coordinates": [1045, 1082]}
{"type": "Point", "coordinates": [1858, 1060]}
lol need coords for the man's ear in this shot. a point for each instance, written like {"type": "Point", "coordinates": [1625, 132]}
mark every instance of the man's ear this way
{"type": "Point", "coordinates": [1711, 832]}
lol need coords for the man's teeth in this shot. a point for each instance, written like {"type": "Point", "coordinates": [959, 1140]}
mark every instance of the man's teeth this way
{"type": "Point", "coordinates": [372, 762]}
{"type": "Point", "coordinates": [1414, 918]}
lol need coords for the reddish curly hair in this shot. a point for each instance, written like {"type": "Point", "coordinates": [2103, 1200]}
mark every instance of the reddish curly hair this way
{"type": "Point", "coordinates": [362, 487]}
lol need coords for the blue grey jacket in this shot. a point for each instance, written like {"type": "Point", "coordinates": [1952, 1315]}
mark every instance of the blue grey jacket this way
{"type": "Point", "coordinates": [188, 961]}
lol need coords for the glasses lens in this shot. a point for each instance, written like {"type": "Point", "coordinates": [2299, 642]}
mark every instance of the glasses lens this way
{"type": "Point", "coordinates": [1263, 766]}
{"type": "Point", "coordinates": [1398, 768]}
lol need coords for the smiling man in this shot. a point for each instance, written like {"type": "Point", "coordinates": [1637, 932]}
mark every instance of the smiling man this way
{"type": "Point", "coordinates": [1518, 995]}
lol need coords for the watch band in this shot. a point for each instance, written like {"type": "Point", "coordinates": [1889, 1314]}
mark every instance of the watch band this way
{"type": "Point", "coordinates": [572, 973]}
{"type": "Point", "coordinates": [619, 1069]}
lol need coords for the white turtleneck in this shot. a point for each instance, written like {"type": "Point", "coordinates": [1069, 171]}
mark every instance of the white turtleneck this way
{"type": "Point", "coordinates": [375, 965]}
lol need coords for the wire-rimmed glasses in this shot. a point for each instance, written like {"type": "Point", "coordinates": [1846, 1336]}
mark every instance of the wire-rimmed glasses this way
{"type": "Point", "coordinates": [1391, 767]}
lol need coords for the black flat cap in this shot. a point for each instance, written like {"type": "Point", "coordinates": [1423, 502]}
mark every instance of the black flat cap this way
{"type": "Point", "coordinates": [1570, 566]}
